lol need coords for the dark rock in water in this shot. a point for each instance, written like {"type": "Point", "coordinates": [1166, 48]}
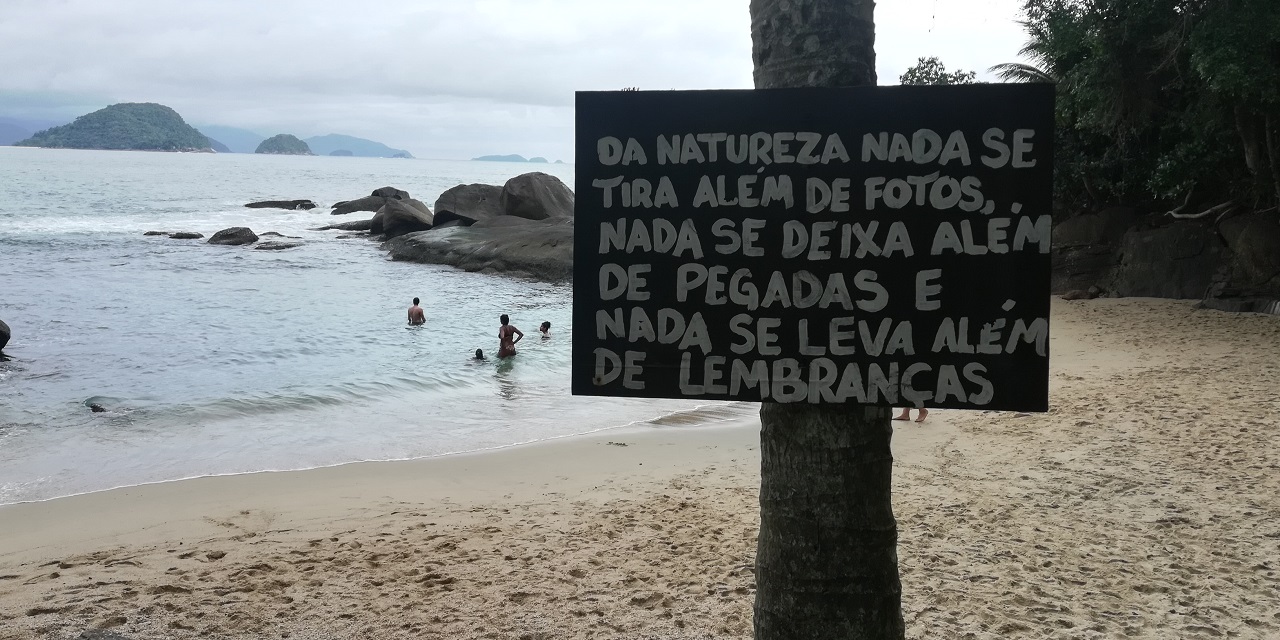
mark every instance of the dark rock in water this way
{"type": "Point", "coordinates": [157, 233]}
{"type": "Point", "coordinates": [358, 225]}
{"type": "Point", "coordinates": [97, 408]}
{"type": "Point", "coordinates": [537, 196]}
{"type": "Point", "coordinates": [467, 204]}
{"type": "Point", "coordinates": [541, 250]}
{"type": "Point", "coordinates": [367, 203]}
{"type": "Point", "coordinates": [280, 235]}
{"type": "Point", "coordinates": [390, 192]}
{"type": "Point", "coordinates": [4, 334]}
{"type": "Point", "coordinates": [398, 217]}
{"type": "Point", "coordinates": [235, 236]}
{"type": "Point", "coordinates": [296, 205]}
{"type": "Point", "coordinates": [277, 245]}
{"type": "Point", "coordinates": [186, 235]}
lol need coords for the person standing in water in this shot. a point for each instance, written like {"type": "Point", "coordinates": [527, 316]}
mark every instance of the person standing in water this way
{"type": "Point", "coordinates": [545, 329]}
{"type": "Point", "coordinates": [416, 315]}
{"type": "Point", "coordinates": [508, 336]}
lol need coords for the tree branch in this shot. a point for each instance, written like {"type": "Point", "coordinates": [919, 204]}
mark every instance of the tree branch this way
{"type": "Point", "coordinates": [1226, 206]}
{"type": "Point", "coordinates": [1183, 206]}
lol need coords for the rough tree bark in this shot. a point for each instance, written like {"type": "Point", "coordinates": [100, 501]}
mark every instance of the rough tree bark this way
{"type": "Point", "coordinates": [1273, 156]}
{"type": "Point", "coordinates": [827, 561]}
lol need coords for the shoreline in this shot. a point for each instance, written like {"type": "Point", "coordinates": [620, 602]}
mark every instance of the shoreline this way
{"type": "Point", "coordinates": [714, 415]}
{"type": "Point", "coordinates": [1139, 506]}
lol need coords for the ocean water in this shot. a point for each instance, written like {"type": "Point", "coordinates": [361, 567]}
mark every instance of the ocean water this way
{"type": "Point", "coordinates": [216, 360]}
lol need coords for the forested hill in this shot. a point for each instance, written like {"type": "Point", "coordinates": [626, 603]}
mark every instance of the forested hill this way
{"type": "Point", "coordinates": [284, 144]}
{"type": "Point", "coordinates": [130, 126]}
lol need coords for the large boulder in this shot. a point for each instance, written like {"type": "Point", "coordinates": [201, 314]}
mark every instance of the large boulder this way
{"type": "Point", "coordinates": [541, 250]}
{"type": "Point", "coordinates": [390, 192]}
{"type": "Point", "coordinates": [367, 203]}
{"type": "Point", "coordinates": [1254, 241]}
{"type": "Point", "coordinates": [536, 196]}
{"type": "Point", "coordinates": [417, 204]}
{"type": "Point", "coordinates": [234, 236]}
{"type": "Point", "coordinates": [398, 217]}
{"type": "Point", "coordinates": [4, 334]}
{"type": "Point", "coordinates": [1249, 279]}
{"type": "Point", "coordinates": [1085, 247]}
{"type": "Point", "coordinates": [467, 204]}
{"type": "Point", "coordinates": [296, 205]}
{"type": "Point", "coordinates": [1178, 260]}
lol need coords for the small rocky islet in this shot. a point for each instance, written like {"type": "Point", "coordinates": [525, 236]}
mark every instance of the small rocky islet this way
{"type": "Point", "coordinates": [522, 228]}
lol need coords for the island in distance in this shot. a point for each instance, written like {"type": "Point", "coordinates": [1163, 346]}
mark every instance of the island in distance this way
{"type": "Point", "coordinates": [334, 144]}
{"type": "Point", "coordinates": [515, 158]}
{"type": "Point", "coordinates": [128, 126]}
{"type": "Point", "coordinates": [285, 145]}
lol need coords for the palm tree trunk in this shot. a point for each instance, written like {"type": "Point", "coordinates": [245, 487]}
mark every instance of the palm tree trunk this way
{"type": "Point", "coordinates": [826, 562]}
{"type": "Point", "coordinates": [1273, 156]}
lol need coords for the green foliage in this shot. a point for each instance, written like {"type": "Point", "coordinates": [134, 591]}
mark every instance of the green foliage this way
{"type": "Point", "coordinates": [126, 126]}
{"type": "Point", "coordinates": [932, 71]}
{"type": "Point", "coordinates": [1158, 99]}
{"type": "Point", "coordinates": [284, 144]}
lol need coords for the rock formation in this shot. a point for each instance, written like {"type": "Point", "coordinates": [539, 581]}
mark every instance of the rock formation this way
{"type": "Point", "coordinates": [5, 334]}
{"type": "Point", "coordinates": [537, 196]}
{"type": "Point", "coordinates": [358, 225]}
{"type": "Point", "coordinates": [467, 204]}
{"type": "Point", "coordinates": [276, 245]}
{"type": "Point", "coordinates": [398, 217]}
{"type": "Point", "coordinates": [375, 201]}
{"type": "Point", "coordinates": [234, 236]}
{"type": "Point", "coordinates": [540, 250]}
{"type": "Point", "coordinates": [523, 228]}
{"type": "Point", "coordinates": [1232, 263]}
{"type": "Point", "coordinates": [186, 235]}
{"type": "Point", "coordinates": [296, 205]}
{"type": "Point", "coordinates": [367, 203]}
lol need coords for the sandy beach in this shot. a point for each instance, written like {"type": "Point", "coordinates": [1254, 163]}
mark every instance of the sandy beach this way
{"type": "Point", "coordinates": [1145, 504]}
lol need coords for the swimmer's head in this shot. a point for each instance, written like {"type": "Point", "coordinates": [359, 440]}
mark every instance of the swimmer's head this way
{"type": "Point", "coordinates": [504, 319]}
{"type": "Point", "coordinates": [415, 302]}
{"type": "Point", "coordinates": [479, 354]}
{"type": "Point", "coordinates": [546, 326]}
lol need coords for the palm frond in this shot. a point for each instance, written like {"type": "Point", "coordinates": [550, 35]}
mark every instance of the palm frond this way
{"type": "Point", "coordinates": [1021, 72]}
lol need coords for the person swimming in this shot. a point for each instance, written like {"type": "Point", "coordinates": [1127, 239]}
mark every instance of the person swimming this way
{"type": "Point", "coordinates": [545, 329]}
{"type": "Point", "coordinates": [479, 354]}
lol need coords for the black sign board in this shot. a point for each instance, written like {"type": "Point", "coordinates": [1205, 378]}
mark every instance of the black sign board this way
{"type": "Point", "coordinates": [874, 245]}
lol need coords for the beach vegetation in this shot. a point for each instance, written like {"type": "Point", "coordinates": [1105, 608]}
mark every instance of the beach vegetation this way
{"type": "Point", "coordinates": [1163, 104]}
{"type": "Point", "coordinates": [932, 71]}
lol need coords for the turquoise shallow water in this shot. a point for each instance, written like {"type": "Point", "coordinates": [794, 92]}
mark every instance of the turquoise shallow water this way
{"type": "Point", "coordinates": [215, 360]}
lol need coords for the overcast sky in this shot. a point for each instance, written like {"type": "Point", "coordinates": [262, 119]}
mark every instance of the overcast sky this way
{"type": "Point", "coordinates": [441, 78]}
